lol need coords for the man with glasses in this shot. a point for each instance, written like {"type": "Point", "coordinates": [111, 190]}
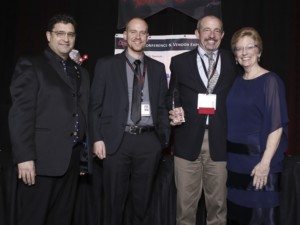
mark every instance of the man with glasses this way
{"type": "Point", "coordinates": [129, 122]}
{"type": "Point", "coordinates": [200, 81]}
{"type": "Point", "coordinates": [48, 127]}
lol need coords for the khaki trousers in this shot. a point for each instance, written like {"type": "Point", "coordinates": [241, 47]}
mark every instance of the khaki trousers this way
{"type": "Point", "coordinates": [191, 177]}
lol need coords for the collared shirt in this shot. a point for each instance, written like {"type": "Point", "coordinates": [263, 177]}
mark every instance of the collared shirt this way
{"type": "Point", "coordinates": [79, 122]}
{"type": "Point", "coordinates": [201, 53]}
{"type": "Point", "coordinates": [204, 78]}
{"type": "Point", "coordinates": [145, 120]}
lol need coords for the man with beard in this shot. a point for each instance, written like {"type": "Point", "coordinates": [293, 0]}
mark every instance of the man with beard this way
{"type": "Point", "coordinates": [200, 81]}
{"type": "Point", "coordinates": [129, 122]}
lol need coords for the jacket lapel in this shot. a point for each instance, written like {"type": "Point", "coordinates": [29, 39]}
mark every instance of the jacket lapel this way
{"type": "Point", "coordinates": [151, 81]}
{"type": "Point", "coordinates": [55, 64]}
{"type": "Point", "coordinates": [120, 76]}
{"type": "Point", "coordinates": [196, 79]}
{"type": "Point", "coordinates": [121, 69]}
{"type": "Point", "coordinates": [222, 72]}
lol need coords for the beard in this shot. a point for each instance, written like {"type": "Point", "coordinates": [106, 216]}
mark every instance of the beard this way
{"type": "Point", "coordinates": [136, 45]}
{"type": "Point", "coordinates": [211, 46]}
{"type": "Point", "coordinates": [135, 48]}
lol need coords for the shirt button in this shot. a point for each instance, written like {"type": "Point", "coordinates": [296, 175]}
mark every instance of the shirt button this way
{"type": "Point", "coordinates": [73, 133]}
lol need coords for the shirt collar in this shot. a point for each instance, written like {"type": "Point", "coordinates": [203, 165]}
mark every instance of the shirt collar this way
{"type": "Point", "coordinates": [202, 52]}
{"type": "Point", "coordinates": [51, 53]}
{"type": "Point", "coordinates": [131, 59]}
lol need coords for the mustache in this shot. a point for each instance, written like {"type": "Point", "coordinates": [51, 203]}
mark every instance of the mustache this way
{"type": "Point", "coordinates": [211, 39]}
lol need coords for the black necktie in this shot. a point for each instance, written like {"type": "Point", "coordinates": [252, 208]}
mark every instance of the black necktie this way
{"type": "Point", "coordinates": [136, 94]}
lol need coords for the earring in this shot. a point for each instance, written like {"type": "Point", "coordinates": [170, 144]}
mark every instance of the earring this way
{"type": "Point", "coordinates": [236, 62]}
{"type": "Point", "coordinates": [258, 59]}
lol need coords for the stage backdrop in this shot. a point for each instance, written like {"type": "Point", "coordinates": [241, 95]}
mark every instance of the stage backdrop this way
{"type": "Point", "coordinates": [22, 26]}
{"type": "Point", "coordinates": [162, 47]}
{"type": "Point", "coordinates": [144, 8]}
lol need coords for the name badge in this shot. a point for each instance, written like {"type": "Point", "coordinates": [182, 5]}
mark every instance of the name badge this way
{"type": "Point", "coordinates": [207, 104]}
{"type": "Point", "coordinates": [145, 109]}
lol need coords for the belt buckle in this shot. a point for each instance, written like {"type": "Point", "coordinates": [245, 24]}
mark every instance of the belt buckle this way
{"type": "Point", "coordinates": [133, 130]}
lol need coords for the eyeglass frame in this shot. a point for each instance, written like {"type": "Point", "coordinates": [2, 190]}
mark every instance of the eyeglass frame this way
{"type": "Point", "coordinates": [62, 34]}
{"type": "Point", "coordinates": [247, 48]}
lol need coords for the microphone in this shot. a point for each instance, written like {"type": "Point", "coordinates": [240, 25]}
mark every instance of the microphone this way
{"type": "Point", "coordinates": [76, 57]}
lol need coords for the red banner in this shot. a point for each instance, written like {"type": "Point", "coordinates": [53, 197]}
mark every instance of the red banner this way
{"type": "Point", "coordinates": [144, 8]}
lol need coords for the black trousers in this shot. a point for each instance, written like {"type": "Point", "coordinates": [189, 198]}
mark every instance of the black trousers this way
{"type": "Point", "coordinates": [51, 200]}
{"type": "Point", "coordinates": [8, 188]}
{"type": "Point", "coordinates": [130, 170]}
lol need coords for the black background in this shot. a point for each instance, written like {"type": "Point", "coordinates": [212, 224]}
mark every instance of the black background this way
{"type": "Point", "coordinates": [23, 32]}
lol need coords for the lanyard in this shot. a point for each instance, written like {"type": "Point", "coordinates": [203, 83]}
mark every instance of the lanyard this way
{"type": "Point", "coordinates": [209, 76]}
{"type": "Point", "coordinates": [141, 79]}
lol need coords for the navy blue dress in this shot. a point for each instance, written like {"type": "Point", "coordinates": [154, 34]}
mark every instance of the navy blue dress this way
{"type": "Point", "coordinates": [255, 108]}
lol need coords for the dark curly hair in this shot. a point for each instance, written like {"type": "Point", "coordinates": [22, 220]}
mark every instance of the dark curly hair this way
{"type": "Point", "coordinates": [60, 18]}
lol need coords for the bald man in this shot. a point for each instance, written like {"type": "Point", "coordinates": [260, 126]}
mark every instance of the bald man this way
{"type": "Point", "coordinates": [129, 122]}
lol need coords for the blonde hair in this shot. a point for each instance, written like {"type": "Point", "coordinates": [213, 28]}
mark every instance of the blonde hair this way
{"type": "Point", "coordinates": [246, 32]}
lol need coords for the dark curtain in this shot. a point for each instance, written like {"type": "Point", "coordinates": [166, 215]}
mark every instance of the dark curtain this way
{"type": "Point", "coordinates": [292, 70]}
{"type": "Point", "coordinates": [290, 194]}
{"type": "Point", "coordinates": [23, 25]}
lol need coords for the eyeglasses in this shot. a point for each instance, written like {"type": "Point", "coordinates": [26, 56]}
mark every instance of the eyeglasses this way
{"type": "Point", "coordinates": [62, 34]}
{"type": "Point", "coordinates": [247, 48]}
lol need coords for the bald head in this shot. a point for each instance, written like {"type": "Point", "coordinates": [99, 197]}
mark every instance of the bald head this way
{"type": "Point", "coordinates": [136, 35]}
{"type": "Point", "coordinates": [135, 21]}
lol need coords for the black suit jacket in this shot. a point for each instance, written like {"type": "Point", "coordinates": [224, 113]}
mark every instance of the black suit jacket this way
{"type": "Point", "coordinates": [41, 119]}
{"type": "Point", "coordinates": [109, 100]}
{"type": "Point", "coordinates": [185, 85]}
